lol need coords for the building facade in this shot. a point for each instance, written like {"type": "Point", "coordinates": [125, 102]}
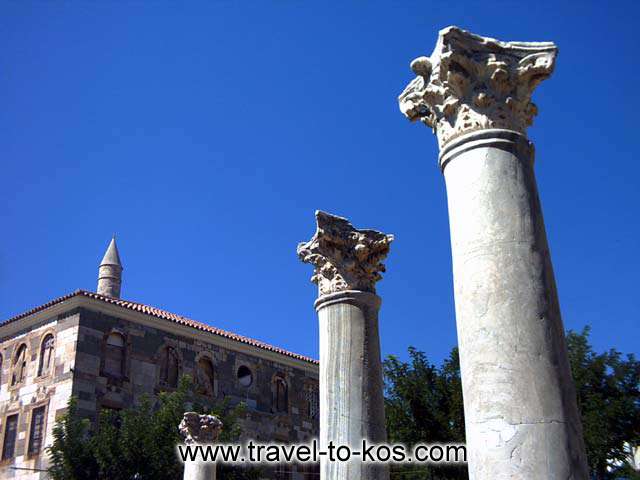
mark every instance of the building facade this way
{"type": "Point", "coordinates": [108, 352]}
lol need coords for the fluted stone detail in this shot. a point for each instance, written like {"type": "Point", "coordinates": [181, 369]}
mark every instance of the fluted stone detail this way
{"type": "Point", "coordinates": [110, 272]}
{"type": "Point", "coordinates": [344, 257]}
{"type": "Point", "coordinates": [472, 83]}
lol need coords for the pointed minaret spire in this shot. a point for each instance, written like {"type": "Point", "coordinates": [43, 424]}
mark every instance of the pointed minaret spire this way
{"type": "Point", "coordinates": [110, 272]}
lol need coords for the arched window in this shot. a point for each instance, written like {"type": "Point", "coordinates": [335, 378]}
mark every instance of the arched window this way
{"type": "Point", "coordinates": [280, 395]}
{"type": "Point", "coordinates": [114, 355]}
{"type": "Point", "coordinates": [19, 365]}
{"type": "Point", "coordinates": [46, 355]}
{"type": "Point", "coordinates": [169, 367]}
{"type": "Point", "coordinates": [204, 376]}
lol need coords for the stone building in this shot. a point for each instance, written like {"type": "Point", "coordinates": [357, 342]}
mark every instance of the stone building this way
{"type": "Point", "coordinates": [107, 352]}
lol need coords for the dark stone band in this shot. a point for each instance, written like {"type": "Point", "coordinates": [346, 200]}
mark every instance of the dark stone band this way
{"type": "Point", "coordinates": [360, 299]}
{"type": "Point", "coordinates": [507, 140]}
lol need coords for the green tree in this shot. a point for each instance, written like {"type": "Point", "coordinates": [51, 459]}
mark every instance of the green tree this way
{"type": "Point", "coordinates": [136, 443]}
{"type": "Point", "coordinates": [69, 455]}
{"type": "Point", "coordinates": [424, 404]}
{"type": "Point", "coordinates": [607, 387]}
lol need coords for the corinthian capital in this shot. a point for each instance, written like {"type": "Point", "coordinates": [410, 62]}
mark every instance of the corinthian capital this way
{"type": "Point", "coordinates": [344, 258]}
{"type": "Point", "coordinates": [472, 83]}
{"type": "Point", "coordinates": [202, 429]}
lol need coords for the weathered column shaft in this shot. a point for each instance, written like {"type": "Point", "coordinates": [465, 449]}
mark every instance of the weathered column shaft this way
{"type": "Point", "coordinates": [347, 265]}
{"type": "Point", "coordinates": [519, 396]}
{"type": "Point", "coordinates": [199, 471]}
{"type": "Point", "coordinates": [521, 415]}
{"type": "Point", "coordinates": [351, 388]}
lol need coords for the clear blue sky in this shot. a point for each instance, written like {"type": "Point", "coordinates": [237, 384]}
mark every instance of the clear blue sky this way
{"type": "Point", "coordinates": [206, 134]}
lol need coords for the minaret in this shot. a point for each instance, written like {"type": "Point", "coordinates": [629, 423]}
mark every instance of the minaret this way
{"type": "Point", "coordinates": [110, 272]}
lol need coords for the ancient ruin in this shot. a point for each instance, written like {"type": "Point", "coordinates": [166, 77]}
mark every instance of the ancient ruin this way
{"type": "Point", "coordinates": [520, 406]}
{"type": "Point", "coordinates": [347, 266]}
{"type": "Point", "coordinates": [197, 429]}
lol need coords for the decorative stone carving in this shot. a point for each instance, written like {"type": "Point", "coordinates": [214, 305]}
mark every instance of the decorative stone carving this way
{"type": "Point", "coordinates": [201, 429]}
{"type": "Point", "coordinates": [472, 83]}
{"type": "Point", "coordinates": [344, 258]}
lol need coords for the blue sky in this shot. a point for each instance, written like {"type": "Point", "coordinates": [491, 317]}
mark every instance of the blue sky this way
{"type": "Point", "coordinates": [206, 134]}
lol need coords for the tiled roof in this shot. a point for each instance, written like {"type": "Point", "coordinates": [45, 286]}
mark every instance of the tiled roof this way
{"type": "Point", "coordinates": [163, 314]}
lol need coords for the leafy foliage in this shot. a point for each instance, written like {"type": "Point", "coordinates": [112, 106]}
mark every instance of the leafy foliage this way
{"type": "Point", "coordinates": [424, 404]}
{"type": "Point", "coordinates": [608, 391]}
{"type": "Point", "coordinates": [70, 459]}
{"type": "Point", "coordinates": [137, 443]}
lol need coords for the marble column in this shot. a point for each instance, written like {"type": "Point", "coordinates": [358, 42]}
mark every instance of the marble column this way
{"type": "Point", "coordinates": [347, 265]}
{"type": "Point", "coordinates": [522, 421]}
{"type": "Point", "coordinates": [199, 429]}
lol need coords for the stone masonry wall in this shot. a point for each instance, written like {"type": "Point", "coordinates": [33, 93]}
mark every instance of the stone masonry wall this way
{"type": "Point", "coordinates": [144, 344]}
{"type": "Point", "coordinates": [50, 390]}
{"type": "Point", "coordinates": [78, 369]}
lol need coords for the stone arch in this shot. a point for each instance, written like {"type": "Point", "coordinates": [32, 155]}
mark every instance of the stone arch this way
{"type": "Point", "coordinates": [280, 393]}
{"type": "Point", "coordinates": [19, 364]}
{"type": "Point", "coordinates": [115, 358]}
{"type": "Point", "coordinates": [46, 353]}
{"type": "Point", "coordinates": [169, 361]}
{"type": "Point", "coordinates": [205, 375]}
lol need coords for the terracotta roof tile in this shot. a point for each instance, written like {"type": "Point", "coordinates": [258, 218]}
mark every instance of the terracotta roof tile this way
{"type": "Point", "coordinates": [163, 314]}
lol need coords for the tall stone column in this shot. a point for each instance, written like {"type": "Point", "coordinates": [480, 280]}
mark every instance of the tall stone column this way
{"type": "Point", "coordinates": [347, 265]}
{"type": "Point", "coordinates": [522, 421]}
{"type": "Point", "coordinates": [203, 430]}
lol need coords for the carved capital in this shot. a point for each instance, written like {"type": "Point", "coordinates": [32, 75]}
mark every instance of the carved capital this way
{"type": "Point", "coordinates": [201, 429]}
{"type": "Point", "coordinates": [344, 258]}
{"type": "Point", "coordinates": [473, 83]}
